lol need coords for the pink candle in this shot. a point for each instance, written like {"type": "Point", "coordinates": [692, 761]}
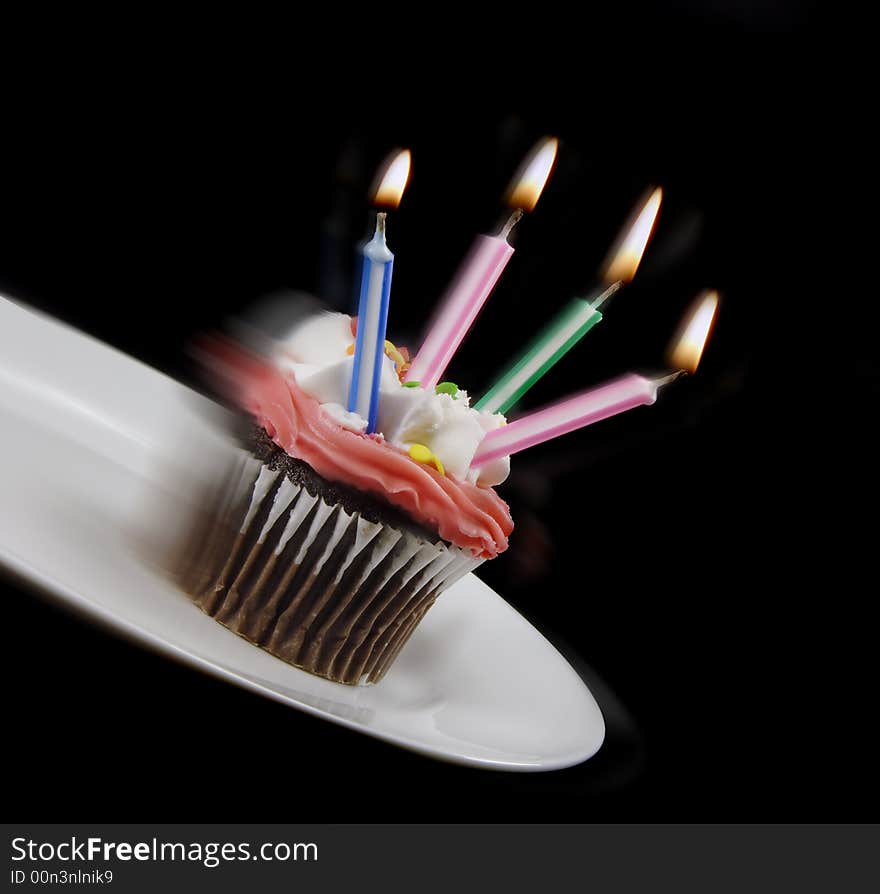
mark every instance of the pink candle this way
{"type": "Point", "coordinates": [459, 307]}
{"type": "Point", "coordinates": [477, 276]}
{"type": "Point", "coordinates": [583, 409]}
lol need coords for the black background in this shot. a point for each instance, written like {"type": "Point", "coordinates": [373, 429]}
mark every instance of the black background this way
{"type": "Point", "coordinates": [158, 181]}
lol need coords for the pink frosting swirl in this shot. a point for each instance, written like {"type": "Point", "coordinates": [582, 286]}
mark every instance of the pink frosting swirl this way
{"type": "Point", "coordinates": [471, 517]}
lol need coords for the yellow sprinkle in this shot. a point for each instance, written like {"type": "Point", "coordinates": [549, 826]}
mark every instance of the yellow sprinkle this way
{"type": "Point", "coordinates": [350, 349]}
{"type": "Point", "coordinates": [421, 454]}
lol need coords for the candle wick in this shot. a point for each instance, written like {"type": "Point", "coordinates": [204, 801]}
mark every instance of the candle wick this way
{"type": "Point", "coordinates": [380, 222]}
{"type": "Point", "coordinates": [670, 378]}
{"type": "Point", "coordinates": [606, 294]}
{"type": "Point", "coordinates": [512, 221]}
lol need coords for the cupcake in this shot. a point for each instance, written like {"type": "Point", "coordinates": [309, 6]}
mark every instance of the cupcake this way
{"type": "Point", "coordinates": [326, 546]}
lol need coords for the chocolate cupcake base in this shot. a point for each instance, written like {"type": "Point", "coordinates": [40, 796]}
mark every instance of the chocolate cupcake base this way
{"type": "Point", "coordinates": [310, 571]}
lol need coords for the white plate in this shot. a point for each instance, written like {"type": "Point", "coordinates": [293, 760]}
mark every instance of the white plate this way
{"type": "Point", "coordinates": [93, 447]}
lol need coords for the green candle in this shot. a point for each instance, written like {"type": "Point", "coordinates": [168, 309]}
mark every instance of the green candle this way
{"type": "Point", "coordinates": [578, 318]}
{"type": "Point", "coordinates": [563, 333]}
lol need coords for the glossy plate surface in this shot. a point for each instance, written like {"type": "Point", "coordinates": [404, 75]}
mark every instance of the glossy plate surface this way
{"type": "Point", "coordinates": [94, 449]}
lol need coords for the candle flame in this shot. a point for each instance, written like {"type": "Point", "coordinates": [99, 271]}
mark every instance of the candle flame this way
{"type": "Point", "coordinates": [392, 179]}
{"type": "Point", "coordinates": [687, 348]}
{"type": "Point", "coordinates": [526, 187]}
{"type": "Point", "coordinates": [627, 254]}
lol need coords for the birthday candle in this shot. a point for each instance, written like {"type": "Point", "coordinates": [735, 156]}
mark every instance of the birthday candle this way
{"type": "Point", "coordinates": [378, 264]}
{"type": "Point", "coordinates": [556, 340]}
{"type": "Point", "coordinates": [375, 293]}
{"type": "Point", "coordinates": [576, 412]}
{"type": "Point", "coordinates": [478, 274]}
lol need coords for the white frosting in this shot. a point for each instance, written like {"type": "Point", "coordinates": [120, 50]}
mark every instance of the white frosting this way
{"type": "Point", "coordinates": [316, 354]}
{"type": "Point", "coordinates": [345, 418]}
{"type": "Point", "coordinates": [497, 470]}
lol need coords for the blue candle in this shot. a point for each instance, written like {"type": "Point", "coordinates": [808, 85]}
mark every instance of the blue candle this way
{"type": "Point", "coordinates": [378, 262]}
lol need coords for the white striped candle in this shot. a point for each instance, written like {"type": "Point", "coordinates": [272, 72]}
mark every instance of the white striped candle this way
{"type": "Point", "coordinates": [378, 264]}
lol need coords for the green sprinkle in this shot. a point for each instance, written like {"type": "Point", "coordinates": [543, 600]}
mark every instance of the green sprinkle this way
{"type": "Point", "coordinates": [447, 388]}
{"type": "Point", "coordinates": [411, 384]}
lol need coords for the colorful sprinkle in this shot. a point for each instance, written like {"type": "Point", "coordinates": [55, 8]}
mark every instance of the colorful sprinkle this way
{"type": "Point", "coordinates": [350, 349]}
{"type": "Point", "coordinates": [393, 353]}
{"type": "Point", "coordinates": [447, 388]}
{"type": "Point", "coordinates": [412, 384]}
{"type": "Point", "coordinates": [400, 356]}
{"type": "Point", "coordinates": [422, 454]}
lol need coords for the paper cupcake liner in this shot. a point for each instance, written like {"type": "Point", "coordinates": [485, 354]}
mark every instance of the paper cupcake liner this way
{"type": "Point", "coordinates": [323, 589]}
